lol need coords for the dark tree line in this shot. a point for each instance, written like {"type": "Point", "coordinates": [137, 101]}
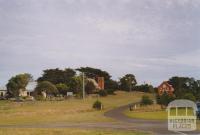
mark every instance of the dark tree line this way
{"type": "Point", "coordinates": [184, 88]}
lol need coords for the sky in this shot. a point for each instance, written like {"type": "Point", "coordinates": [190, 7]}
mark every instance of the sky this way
{"type": "Point", "coordinates": [152, 39]}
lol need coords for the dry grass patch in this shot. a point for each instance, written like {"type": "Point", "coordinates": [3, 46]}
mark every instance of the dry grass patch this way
{"type": "Point", "coordinates": [73, 110]}
{"type": "Point", "coordinates": [17, 131]}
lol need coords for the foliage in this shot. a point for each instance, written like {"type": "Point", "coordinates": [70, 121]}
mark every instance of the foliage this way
{"type": "Point", "coordinates": [89, 87]}
{"type": "Point", "coordinates": [95, 72]}
{"type": "Point", "coordinates": [75, 85]}
{"type": "Point", "coordinates": [146, 100]}
{"type": "Point", "coordinates": [39, 97]}
{"type": "Point", "coordinates": [144, 88]}
{"type": "Point", "coordinates": [103, 93]}
{"type": "Point", "coordinates": [185, 85]}
{"type": "Point", "coordinates": [62, 88]}
{"type": "Point", "coordinates": [17, 83]}
{"type": "Point", "coordinates": [47, 87]}
{"type": "Point", "coordinates": [127, 82]}
{"type": "Point", "coordinates": [57, 75]}
{"type": "Point", "coordinates": [111, 84]}
{"type": "Point", "coordinates": [164, 99]}
{"type": "Point", "coordinates": [97, 105]}
{"type": "Point", "coordinates": [189, 96]}
{"type": "Point", "coordinates": [110, 91]}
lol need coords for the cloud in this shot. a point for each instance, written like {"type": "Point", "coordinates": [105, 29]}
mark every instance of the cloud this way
{"type": "Point", "coordinates": [152, 39]}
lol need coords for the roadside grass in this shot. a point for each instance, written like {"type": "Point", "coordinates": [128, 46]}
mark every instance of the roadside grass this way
{"type": "Point", "coordinates": [30, 131]}
{"type": "Point", "coordinates": [72, 110]}
{"type": "Point", "coordinates": [156, 114]}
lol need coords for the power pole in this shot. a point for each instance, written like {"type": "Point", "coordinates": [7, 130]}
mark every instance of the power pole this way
{"type": "Point", "coordinates": [83, 85]}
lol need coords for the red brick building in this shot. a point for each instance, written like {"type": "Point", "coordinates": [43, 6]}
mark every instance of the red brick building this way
{"type": "Point", "coordinates": [165, 87]}
{"type": "Point", "coordinates": [101, 82]}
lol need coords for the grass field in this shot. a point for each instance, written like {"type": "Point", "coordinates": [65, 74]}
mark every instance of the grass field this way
{"type": "Point", "coordinates": [7, 131]}
{"type": "Point", "coordinates": [73, 110]}
{"type": "Point", "coordinates": [155, 112]}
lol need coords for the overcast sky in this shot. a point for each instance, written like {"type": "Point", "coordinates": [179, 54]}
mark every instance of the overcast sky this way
{"type": "Point", "coordinates": [153, 39]}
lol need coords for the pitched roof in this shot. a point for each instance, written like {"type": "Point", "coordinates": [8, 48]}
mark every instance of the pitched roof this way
{"type": "Point", "coordinates": [166, 83]}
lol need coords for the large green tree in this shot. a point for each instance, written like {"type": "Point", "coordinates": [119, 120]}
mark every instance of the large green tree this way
{"type": "Point", "coordinates": [57, 75]}
{"type": "Point", "coordinates": [127, 82]}
{"type": "Point", "coordinates": [47, 87]}
{"type": "Point", "coordinates": [17, 83]}
{"type": "Point", "coordinates": [185, 85]}
{"type": "Point", "coordinates": [62, 88]}
{"type": "Point", "coordinates": [95, 72]}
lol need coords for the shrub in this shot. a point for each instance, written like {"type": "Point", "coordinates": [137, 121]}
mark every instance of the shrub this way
{"type": "Point", "coordinates": [103, 93]}
{"type": "Point", "coordinates": [189, 96]}
{"type": "Point", "coordinates": [97, 105]}
{"type": "Point", "coordinates": [146, 100]}
{"type": "Point", "coordinates": [110, 91]}
{"type": "Point", "coordinates": [39, 97]}
{"type": "Point", "coordinates": [164, 99]}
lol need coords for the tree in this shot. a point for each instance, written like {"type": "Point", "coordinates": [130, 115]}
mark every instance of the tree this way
{"type": "Point", "coordinates": [47, 87]}
{"type": "Point", "coordinates": [164, 99]}
{"type": "Point", "coordinates": [57, 76]}
{"type": "Point", "coordinates": [144, 88]}
{"type": "Point", "coordinates": [75, 85]}
{"type": "Point", "coordinates": [189, 96]}
{"type": "Point", "coordinates": [62, 88]}
{"type": "Point", "coordinates": [127, 82]}
{"type": "Point", "coordinates": [146, 100]}
{"type": "Point", "coordinates": [95, 73]}
{"type": "Point", "coordinates": [18, 83]}
{"type": "Point", "coordinates": [90, 87]}
{"type": "Point", "coordinates": [185, 85]}
{"type": "Point", "coordinates": [112, 84]}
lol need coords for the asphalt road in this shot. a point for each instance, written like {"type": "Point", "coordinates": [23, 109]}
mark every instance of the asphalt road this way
{"type": "Point", "coordinates": [155, 126]}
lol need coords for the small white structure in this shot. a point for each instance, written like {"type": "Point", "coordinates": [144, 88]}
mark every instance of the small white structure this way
{"type": "Point", "coordinates": [182, 122]}
{"type": "Point", "coordinates": [70, 94]}
{"type": "Point", "coordinates": [44, 94]}
{"type": "Point", "coordinates": [3, 91]}
{"type": "Point", "coordinates": [23, 93]}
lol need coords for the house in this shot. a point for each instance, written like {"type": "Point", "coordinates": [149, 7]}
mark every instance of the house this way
{"type": "Point", "coordinates": [165, 87]}
{"type": "Point", "coordinates": [3, 91]}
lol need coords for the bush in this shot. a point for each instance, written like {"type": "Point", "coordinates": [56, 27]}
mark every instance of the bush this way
{"type": "Point", "coordinates": [103, 93]}
{"type": "Point", "coordinates": [39, 97]}
{"type": "Point", "coordinates": [110, 91]}
{"type": "Point", "coordinates": [97, 105]}
{"type": "Point", "coordinates": [189, 96]}
{"type": "Point", "coordinates": [146, 100]}
{"type": "Point", "coordinates": [164, 99]}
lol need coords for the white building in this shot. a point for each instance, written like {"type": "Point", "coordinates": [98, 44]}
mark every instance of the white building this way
{"type": "Point", "coordinates": [3, 91]}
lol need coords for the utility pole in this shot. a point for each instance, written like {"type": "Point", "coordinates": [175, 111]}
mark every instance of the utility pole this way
{"type": "Point", "coordinates": [83, 85]}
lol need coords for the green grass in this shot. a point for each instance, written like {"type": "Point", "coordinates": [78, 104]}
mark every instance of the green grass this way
{"type": "Point", "coordinates": [156, 115]}
{"type": "Point", "coordinates": [73, 110]}
{"type": "Point", "coordinates": [18, 131]}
